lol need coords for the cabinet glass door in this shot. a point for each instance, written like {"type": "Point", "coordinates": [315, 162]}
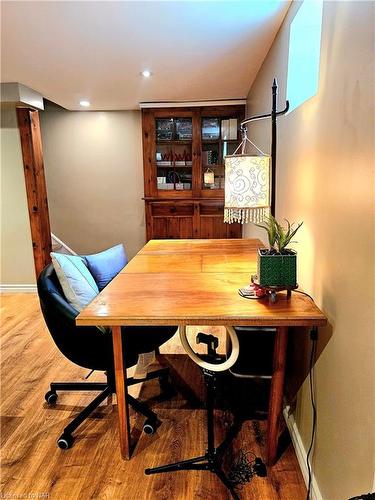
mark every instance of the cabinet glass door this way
{"type": "Point", "coordinates": [174, 153]}
{"type": "Point", "coordinates": [219, 138]}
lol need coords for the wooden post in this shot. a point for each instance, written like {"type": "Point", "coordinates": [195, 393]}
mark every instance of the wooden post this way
{"type": "Point", "coordinates": [276, 393]}
{"type": "Point", "coordinates": [32, 153]}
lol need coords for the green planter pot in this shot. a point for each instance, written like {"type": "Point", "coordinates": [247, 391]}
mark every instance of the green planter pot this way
{"type": "Point", "coordinates": [277, 270]}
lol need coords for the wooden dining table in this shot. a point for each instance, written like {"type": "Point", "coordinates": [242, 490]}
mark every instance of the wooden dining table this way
{"type": "Point", "coordinates": [196, 282]}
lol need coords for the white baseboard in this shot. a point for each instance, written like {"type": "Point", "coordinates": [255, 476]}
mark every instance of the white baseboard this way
{"type": "Point", "coordinates": [301, 455]}
{"type": "Point", "coordinates": [16, 288]}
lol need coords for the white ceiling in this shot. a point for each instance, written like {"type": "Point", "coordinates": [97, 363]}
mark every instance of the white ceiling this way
{"type": "Point", "coordinates": [70, 51]}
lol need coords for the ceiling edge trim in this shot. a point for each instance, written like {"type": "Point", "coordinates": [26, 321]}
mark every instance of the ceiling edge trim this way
{"type": "Point", "coordinates": [181, 104]}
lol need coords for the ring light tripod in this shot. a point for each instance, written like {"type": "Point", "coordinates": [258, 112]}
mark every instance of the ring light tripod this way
{"type": "Point", "coordinates": [213, 458]}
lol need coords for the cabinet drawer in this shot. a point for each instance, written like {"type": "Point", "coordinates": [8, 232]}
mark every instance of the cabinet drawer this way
{"type": "Point", "coordinates": [212, 209]}
{"type": "Point", "coordinates": [165, 209]}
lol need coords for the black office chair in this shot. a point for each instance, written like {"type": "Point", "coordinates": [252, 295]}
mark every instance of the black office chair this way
{"type": "Point", "coordinates": [91, 348]}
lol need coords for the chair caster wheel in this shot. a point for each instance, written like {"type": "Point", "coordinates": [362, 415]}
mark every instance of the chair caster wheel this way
{"type": "Point", "coordinates": [65, 441]}
{"type": "Point", "coordinates": [149, 427]}
{"type": "Point", "coordinates": [51, 397]}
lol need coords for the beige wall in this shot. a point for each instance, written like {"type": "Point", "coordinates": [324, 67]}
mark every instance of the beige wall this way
{"type": "Point", "coordinates": [17, 263]}
{"type": "Point", "coordinates": [94, 174]}
{"type": "Point", "coordinates": [326, 178]}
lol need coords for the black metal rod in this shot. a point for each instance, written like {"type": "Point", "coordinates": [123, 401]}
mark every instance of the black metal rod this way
{"type": "Point", "coordinates": [142, 408]}
{"type": "Point", "coordinates": [78, 386]}
{"type": "Point", "coordinates": [175, 466]}
{"type": "Point", "coordinates": [273, 146]}
{"type": "Point", "coordinates": [255, 118]}
{"type": "Point", "coordinates": [77, 421]}
{"type": "Point", "coordinates": [162, 372]}
{"type": "Point", "coordinates": [267, 115]}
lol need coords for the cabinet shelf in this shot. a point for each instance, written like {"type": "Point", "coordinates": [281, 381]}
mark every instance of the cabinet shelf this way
{"type": "Point", "coordinates": [168, 142]}
{"type": "Point", "coordinates": [218, 141]}
{"type": "Point", "coordinates": [174, 166]}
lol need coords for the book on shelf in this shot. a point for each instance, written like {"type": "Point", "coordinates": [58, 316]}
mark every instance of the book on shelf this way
{"type": "Point", "coordinates": [229, 129]}
{"type": "Point", "coordinates": [232, 128]}
{"type": "Point", "coordinates": [209, 157]}
{"type": "Point", "coordinates": [183, 163]}
{"type": "Point", "coordinates": [225, 129]}
{"type": "Point", "coordinates": [168, 186]}
{"type": "Point", "coordinates": [164, 163]}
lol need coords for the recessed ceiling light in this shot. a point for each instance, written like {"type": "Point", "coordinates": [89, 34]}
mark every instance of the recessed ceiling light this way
{"type": "Point", "coordinates": [146, 73]}
{"type": "Point", "coordinates": [84, 104]}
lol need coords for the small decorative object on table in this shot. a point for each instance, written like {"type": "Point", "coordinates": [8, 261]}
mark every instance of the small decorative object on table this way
{"type": "Point", "coordinates": [277, 265]}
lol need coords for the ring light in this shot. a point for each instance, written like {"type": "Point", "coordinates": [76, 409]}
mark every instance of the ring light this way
{"type": "Point", "coordinates": [228, 363]}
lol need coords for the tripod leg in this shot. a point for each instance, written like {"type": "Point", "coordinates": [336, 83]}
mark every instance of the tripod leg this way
{"type": "Point", "coordinates": [220, 474]}
{"type": "Point", "coordinates": [175, 466]}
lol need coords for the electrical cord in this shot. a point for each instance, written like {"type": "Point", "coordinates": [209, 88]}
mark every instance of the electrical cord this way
{"type": "Point", "coordinates": [303, 293]}
{"type": "Point", "coordinates": [365, 496]}
{"type": "Point", "coordinates": [244, 469]}
{"type": "Point", "coordinates": [314, 337]}
{"type": "Point", "coordinates": [241, 471]}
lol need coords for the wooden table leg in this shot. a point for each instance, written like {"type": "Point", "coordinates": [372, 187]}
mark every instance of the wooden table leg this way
{"type": "Point", "coordinates": [276, 394]}
{"type": "Point", "coordinates": [121, 393]}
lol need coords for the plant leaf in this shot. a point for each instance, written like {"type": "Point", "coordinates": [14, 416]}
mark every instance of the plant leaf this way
{"type": "Point", "coordinates": [292, 234]}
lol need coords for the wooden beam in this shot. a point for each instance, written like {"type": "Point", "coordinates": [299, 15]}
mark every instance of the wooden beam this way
{"type": "Point", "coordinates": [32, 153]}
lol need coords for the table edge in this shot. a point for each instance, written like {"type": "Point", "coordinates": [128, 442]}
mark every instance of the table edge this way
{"type": "Point", "coordinates": [198, 321]}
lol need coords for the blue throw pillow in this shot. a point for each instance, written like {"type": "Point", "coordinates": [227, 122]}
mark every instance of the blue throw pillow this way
{"type": "Point", "coordinates": [78, 285]}
{"type": "Point", "coordinates": [104, 266]}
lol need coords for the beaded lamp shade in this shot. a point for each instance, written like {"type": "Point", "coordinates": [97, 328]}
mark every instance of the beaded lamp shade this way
{"type": "Point", "coordinates": [247, 188]}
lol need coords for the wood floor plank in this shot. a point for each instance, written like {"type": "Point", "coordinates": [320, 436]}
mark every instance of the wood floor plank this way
{"type": "Point", "coordinates": [93, 469]}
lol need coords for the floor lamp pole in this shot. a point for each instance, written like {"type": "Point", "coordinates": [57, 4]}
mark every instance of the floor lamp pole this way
{"type": "Point", "coordinates": [273, 146]}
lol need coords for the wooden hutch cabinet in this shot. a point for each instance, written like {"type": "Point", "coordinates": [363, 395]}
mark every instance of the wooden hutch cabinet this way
{"type": "Point", "coordinates": [183, 160]}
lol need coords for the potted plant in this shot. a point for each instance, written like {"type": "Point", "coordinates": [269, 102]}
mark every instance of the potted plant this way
{"type": "Point", "coordinates": [277, 265]}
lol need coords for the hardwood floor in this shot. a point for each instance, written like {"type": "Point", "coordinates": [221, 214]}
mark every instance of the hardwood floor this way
{"type": "Point", "coordinates": [33, 465]}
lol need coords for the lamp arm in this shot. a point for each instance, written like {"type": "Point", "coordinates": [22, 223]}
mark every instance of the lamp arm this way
{"type": "Point", "coordinates": [285, 110]}
{"type": "Point", "coordinates": [265, 116]}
